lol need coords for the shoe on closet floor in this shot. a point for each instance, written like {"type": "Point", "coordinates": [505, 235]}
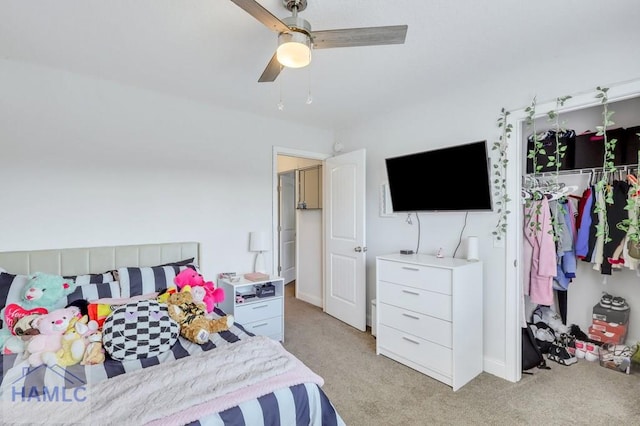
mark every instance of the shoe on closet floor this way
{"type": "Point", "coordinates": [560, 355]}
{"type": "Point", "coordinates": [581, 349]}
{"type": "Point", "coordinates": [592, 352]}
{"type": "Point", "coordinates": [606, 300]}
{"type": "Point", "coordinates": [619, 304]}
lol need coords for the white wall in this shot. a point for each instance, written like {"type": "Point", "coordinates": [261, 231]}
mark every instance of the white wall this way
{"type": "Point", "coordinates": [86, 162]}
{"type": "Point", "coordinates": [466, 115]}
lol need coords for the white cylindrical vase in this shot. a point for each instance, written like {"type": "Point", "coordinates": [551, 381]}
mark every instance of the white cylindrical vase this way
{"type": "Point", "coordinates": [472, 249]}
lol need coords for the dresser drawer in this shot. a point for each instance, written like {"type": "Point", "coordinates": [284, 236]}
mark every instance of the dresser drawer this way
{"type": "Point", "coordinates": [267, 327]}
{"type": "Point", "coordinates": [429, 328]}
{"type": "Point", "coordinates": [421, 301]}
{"type": "Point", "coordinates": [258, 310]}
{"type": "Point", "coordinates": [418, 276]}
{"type": "Point", "coordinates": [415, 349]}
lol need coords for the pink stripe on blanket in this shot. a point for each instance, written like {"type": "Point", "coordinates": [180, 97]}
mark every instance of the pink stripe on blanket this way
{"type": "Point", "coordinates": [298, 375]}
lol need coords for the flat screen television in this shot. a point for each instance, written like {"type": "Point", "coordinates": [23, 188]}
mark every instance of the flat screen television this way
{"type": "Point", "coordinates": [454, 178]}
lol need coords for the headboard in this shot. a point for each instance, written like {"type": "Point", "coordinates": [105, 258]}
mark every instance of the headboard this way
{"type": "Point", "coordinates": [93, 260]}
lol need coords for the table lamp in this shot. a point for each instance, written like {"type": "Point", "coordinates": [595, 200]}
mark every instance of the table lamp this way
{"type": "Point", "coordinates": [258, 242]}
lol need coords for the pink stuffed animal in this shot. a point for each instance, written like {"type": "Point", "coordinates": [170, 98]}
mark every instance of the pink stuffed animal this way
{"type": "Point", "coordinates": [51, 327]}
{"type": "Point", "coordinates": [212, 295]}
{"type": "Point", "coordinates": [188, 277]}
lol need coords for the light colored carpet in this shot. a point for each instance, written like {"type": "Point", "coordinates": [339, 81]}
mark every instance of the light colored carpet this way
{"type": "Point", "coordinates": [368, 389]}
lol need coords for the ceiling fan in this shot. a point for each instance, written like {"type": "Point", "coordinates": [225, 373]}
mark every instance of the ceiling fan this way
{"type": "Point", "coordinates": [295, 38]}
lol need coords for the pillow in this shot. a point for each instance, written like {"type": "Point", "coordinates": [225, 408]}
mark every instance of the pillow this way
{"type": "Point", "coordinates": [142, 280]}
{"type": "Point", "coordinates": [92, 292]}
{"type": "Point", "coordinates": [184, 262]}
{"type": "Point", "coordinates": [105, 277]}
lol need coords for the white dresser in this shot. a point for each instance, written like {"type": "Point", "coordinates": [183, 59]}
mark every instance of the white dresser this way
{"type": "Point", "coordinates": [257, 315]}
{"type": "Point", "coordinates": [429, 315]}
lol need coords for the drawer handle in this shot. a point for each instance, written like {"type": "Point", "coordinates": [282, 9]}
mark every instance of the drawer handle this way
{"type": "Point", "coordinates": [411, 340]}
{"type": "Point", "coordinates": [411, 316]}
{"type": "Point", "coordinates": [408, 268]}
{"type": "Point", "coordinates": [411, 292]}
{"type": "Point", "coordinates": [260, 306]}
{"type": "Point", "coordinates": [260, 325]}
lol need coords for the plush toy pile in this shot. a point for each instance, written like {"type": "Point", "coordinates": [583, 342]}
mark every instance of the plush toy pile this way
{"type": "Point", "coordinates": [45, 332]}
{"type": "Point", "coordinates": [203, 291]}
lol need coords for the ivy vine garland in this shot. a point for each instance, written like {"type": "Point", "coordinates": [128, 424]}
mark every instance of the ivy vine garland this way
{"type": "Point", "coordinates": [500, 174]}
{"type": "Point", "coordinates": [608, 166]}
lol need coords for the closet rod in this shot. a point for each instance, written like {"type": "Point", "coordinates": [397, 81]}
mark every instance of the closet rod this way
{"type": "Point", "coordinates": [625, 168]}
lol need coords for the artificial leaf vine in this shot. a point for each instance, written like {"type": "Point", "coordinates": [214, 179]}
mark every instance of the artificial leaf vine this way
{"type": "Point", "coordinates": [500, 174]}
{"type": "Point", "coordinates": [631, 224]}
{"type": "Point", "coordinates": [537, 149]}
{"type": "Point", "coordinates": [556, 161]}
{"type": "Point", "coordinates": [608, 167]}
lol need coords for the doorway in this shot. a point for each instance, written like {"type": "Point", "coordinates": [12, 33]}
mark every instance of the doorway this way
{"type": "Point", "coordinates": [298, 229]}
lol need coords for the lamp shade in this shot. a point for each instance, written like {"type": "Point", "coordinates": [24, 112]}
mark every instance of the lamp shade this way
{"type": "Point", "coordinates": [258, 241]}
{"type": "Point", "coordinates": [294, 50]}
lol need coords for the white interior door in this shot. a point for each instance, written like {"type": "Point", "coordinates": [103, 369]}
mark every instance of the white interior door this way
{"type": "Point", "coordinates": [345, 245]}
{"type": "Point", "coordinates": [287, 226]}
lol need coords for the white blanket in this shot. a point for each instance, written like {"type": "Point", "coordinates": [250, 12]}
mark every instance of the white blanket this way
{"type": "Point", "coordinates": [177, 392]}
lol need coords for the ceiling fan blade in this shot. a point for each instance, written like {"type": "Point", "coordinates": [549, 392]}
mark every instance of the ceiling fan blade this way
{"type": "Point", "coordinates": [351, 37]}
{"type": "Point", "coordinates": [254, 9]}
{"type": "Point", "coordinates": [272, 70]}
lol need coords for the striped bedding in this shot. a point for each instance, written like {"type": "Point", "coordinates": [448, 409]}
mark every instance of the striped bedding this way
{"type": "Point", "coordinates": [299, 404]}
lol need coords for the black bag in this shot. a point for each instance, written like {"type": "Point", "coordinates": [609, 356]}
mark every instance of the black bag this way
{"type": "Point", "coordinates": [531, 354]}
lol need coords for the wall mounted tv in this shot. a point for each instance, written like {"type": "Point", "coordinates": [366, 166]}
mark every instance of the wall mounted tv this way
{"type": "Point", "coordinates": [454, 178]}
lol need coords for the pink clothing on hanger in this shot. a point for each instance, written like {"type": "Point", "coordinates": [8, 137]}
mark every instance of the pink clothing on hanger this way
{"type": "Point", "coordinates": [539, 254]}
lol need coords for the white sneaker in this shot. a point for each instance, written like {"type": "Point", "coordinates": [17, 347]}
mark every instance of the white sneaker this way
{"type": "Point", "coordinates": [592, 352]}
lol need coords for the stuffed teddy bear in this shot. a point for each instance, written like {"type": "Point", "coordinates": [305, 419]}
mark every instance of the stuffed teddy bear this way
{"type": "Point", "coordinates": [74, 342]}
{"type": "Point", "coordinates": [188, 277]}
{"type": "Point", "coordinates": [16, 323]}
{"type": "Point", "coordinates": [94, 353]}
{"type": "Point", "coordinates": [194, 326]}
{"type": "Point", "coordinates": [212, 295]}
{"type": "Point", "coordinates": [71, 350]}
{"type": "Point", "coordinates": [45, 290]}
{"type": "Point", "coordinates": [51, 327]}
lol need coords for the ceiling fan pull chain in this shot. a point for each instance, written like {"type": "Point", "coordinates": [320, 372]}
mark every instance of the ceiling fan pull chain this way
{"type": "Point", "coordinates": [280, 103]}
{"type": "Point", "coordinates": [309, 97]}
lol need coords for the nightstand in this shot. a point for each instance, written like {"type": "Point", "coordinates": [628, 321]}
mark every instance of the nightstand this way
{"type": "Point", "coordinates": [258, 315]}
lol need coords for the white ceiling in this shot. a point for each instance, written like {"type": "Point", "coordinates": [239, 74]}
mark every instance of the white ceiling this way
{"type": "Point", "coordinates": [213, 51]}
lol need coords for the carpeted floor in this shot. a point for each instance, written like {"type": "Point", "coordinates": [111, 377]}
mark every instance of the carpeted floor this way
{"type": "Point", "coordinates": [368, 389]}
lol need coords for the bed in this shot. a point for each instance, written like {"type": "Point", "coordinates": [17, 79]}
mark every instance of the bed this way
{"type": "Point", "coordinates": [235, 378]}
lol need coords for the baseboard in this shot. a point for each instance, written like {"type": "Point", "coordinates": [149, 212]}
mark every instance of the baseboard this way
{"type": "Point", "coordinates": [495, 367]}
{"type": "Point", "coordinates": [316, 301]}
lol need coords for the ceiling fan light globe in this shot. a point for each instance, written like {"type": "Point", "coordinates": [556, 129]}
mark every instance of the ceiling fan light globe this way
{"type": "Point", "coordinates": [294, 50]}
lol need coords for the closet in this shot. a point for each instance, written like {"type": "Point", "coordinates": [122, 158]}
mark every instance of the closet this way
{"type": "Point", "coordinates": [580, 168]}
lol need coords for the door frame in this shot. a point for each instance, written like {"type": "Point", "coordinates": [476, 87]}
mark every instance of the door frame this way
{"type": "Point", "coordinates": [280, 150]}
{"type": "Point", "coordinates": [514, 309]}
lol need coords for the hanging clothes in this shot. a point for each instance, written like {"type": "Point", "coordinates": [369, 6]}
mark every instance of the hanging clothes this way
{"type": "Point", "coordinates": [596, 217]}
{"type": "Point", "coordinates": [629, 261]}
{"type": "Point", "coordinates": [583, 223]}
{"type": "Point", "coordinates": [615, 213]}
{"type": "Point", "coordinates": [540, 265]}
{"type": "Point", "coordinates": [562, 212]}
